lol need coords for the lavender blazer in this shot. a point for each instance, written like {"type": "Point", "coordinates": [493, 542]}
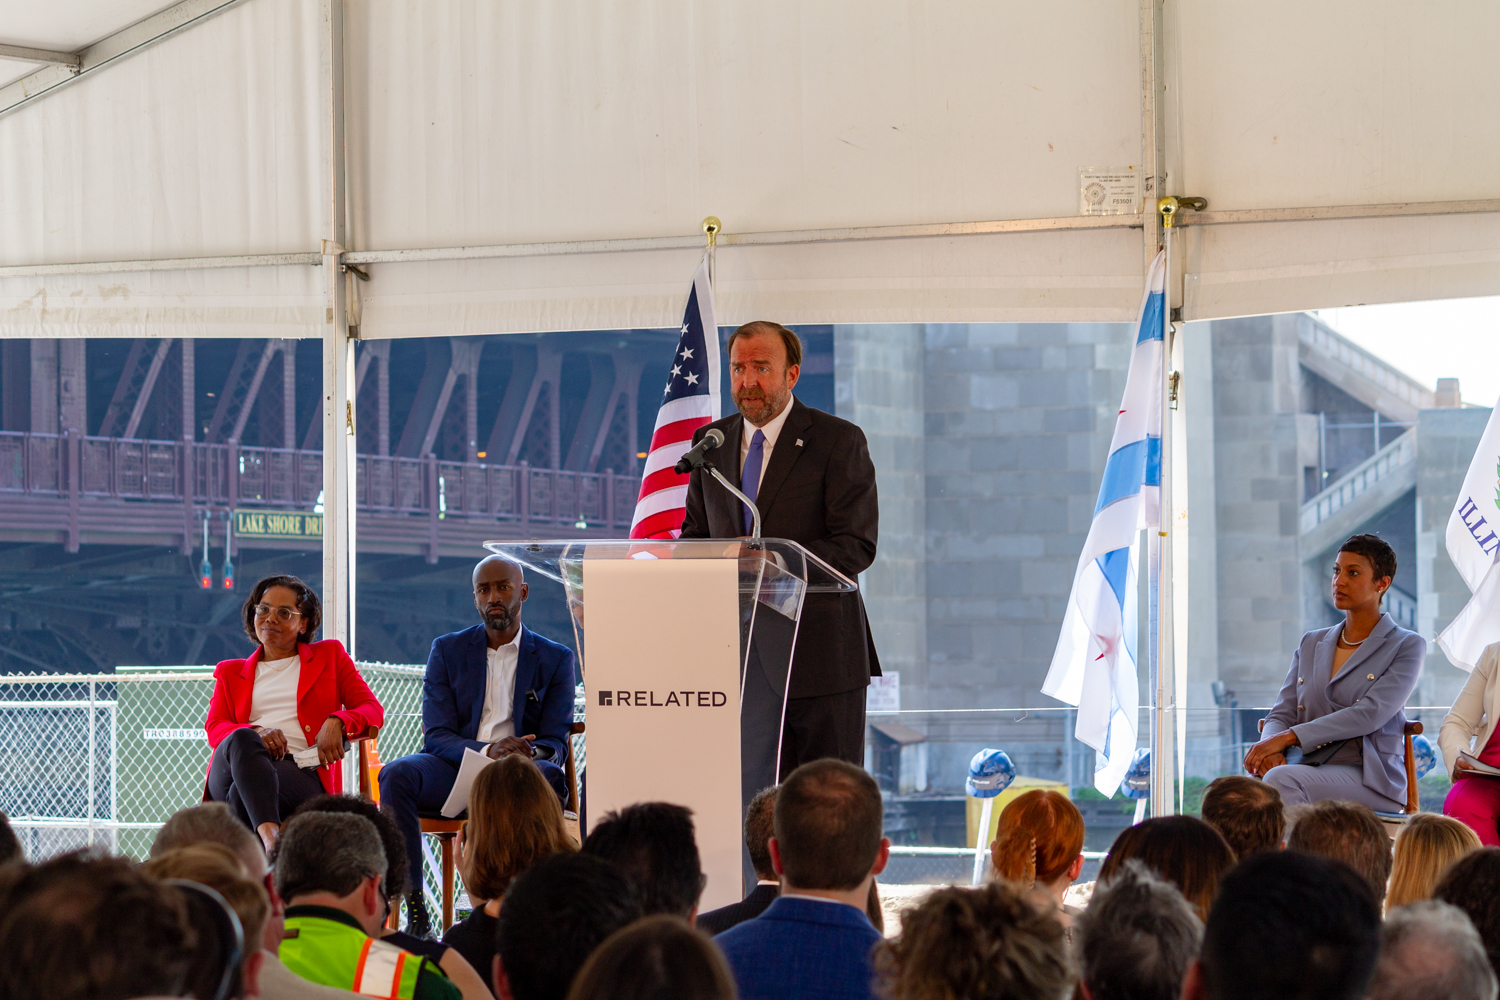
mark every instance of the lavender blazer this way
{"type": "Point", "coordinates": [1363, 701]}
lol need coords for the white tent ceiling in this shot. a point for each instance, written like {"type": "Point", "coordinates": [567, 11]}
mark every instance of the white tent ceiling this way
{"type": "Point", "coordinates": [515, 166]}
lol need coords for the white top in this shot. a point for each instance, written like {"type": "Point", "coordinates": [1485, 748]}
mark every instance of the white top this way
{"type": "Point", "coordinates": [772, 430]}
{"type": "Point", "coordinates": [495, 721]}
{"type": "Point", "coordinates": [273, 705]}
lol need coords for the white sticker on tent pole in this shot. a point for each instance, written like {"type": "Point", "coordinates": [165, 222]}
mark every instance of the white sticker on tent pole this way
{"type": "Point", "coordinates": [1109, 190]}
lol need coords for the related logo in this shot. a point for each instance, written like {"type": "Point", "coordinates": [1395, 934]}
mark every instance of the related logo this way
{"type": "Point", "coordinates": [656, 699]}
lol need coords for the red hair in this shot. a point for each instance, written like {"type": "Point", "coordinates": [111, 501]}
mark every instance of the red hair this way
{"type": "Point", "coordinates": [1039, 837]}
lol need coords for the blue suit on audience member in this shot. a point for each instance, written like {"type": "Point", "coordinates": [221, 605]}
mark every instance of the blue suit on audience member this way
{"type": "Point", "coordinates": [452, 701]}
{"type": "Point", "coordinates": [802, 947]}
{"type": "Point", "coordinates": [1362, 703]}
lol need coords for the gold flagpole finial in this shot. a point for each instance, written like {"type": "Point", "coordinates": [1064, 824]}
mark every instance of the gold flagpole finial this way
{"type": "Point", "coordinates": [711, 228]}
{"type": "Point", "coordinates": [1168, 208]}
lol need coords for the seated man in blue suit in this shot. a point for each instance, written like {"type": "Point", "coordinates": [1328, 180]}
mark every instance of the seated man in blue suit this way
{"type": "Point", "coordinates": [497, 688]}
{"type": "Point", "coordinates": [815, 940]}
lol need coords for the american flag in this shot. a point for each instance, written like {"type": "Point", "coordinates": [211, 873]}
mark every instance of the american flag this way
{"type": "Point", "coordinates": [689, 401]}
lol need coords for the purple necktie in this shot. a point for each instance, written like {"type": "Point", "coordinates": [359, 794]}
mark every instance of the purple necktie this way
{"type": "Point", "coordinates": [750, 474]}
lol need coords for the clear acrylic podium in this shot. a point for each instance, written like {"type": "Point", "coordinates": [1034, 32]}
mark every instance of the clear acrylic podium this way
{"type": "Point", "coordinates": [685, 661]}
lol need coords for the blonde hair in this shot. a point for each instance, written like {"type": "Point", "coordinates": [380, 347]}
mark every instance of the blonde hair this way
{"type": "Point", "coordinates": [1039, 836]}
{"type": "Point", "coordinates": [217, 867]}
{"type": "Point", "coordinates": [1425, 847]}
{"type": "Point", "coordinates": [514, 821]}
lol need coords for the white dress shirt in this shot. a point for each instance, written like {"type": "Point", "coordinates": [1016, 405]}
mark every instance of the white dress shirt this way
{"type": "Point", "coordinates": [772, 430]}
{"type": "Point", "coordinates": [273, 705]}
{"type": "Point", "coordinates": [495, 719]}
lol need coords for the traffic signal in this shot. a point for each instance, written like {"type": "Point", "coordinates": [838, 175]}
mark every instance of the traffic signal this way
{"type": "Point", "coordinates": [205, 569]}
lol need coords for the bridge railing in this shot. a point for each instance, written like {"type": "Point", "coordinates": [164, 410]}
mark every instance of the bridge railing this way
{"type": "Point", "coordinates": [232, 475]}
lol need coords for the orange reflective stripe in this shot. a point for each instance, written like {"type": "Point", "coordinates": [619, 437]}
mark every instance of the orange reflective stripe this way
{"type": "Point", "coordinates": [359, 967]}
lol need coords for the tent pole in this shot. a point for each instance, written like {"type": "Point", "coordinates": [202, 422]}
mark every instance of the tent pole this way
{"type": "Point", "coordinates": [1163, 682]}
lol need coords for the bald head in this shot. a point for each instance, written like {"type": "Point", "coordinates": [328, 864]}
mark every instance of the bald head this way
{"type": "Point", "coordinates": [499, 589]}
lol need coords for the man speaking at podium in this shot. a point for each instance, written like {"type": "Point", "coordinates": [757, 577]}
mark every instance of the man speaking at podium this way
{"type": "Point", "coordinates": [811, 476]}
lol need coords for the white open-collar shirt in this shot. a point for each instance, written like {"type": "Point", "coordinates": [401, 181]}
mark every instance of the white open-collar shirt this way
{"type": "Point", "coordinates": [495, 719]}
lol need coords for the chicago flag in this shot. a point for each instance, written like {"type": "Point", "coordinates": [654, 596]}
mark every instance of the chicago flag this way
{"type": "Point", "coordinates": [1094, 665]}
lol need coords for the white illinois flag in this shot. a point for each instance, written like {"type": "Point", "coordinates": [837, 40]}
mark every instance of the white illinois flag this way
{"type": "Point", "coordinates": [1473, 539]}
{"type": "Point", "coordinates": [1094, 665]}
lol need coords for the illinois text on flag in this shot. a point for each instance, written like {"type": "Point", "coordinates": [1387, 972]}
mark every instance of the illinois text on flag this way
{"type": "Point", "coordinates": [1094, 666]}
{"type": "Point", "coordinates": [1473, 539]}
{"type": "Point", "coordinates": [689, 400]}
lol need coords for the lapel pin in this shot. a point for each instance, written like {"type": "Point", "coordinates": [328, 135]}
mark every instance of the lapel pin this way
{"type": "Point", "coordinates": [799, 442]}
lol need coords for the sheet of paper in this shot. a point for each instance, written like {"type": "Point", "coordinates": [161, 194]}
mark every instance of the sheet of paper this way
{"type": "Point", "coordinates": [1478, 764]}
{"type": "Point", "coordinates": [458, 799]}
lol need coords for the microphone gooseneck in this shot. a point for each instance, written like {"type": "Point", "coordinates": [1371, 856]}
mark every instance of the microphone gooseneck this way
{"type": "Point", "coordinates": [693, 459]}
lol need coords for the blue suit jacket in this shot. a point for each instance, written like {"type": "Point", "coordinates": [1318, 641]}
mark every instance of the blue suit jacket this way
{"type": "Point", "coordinates": [1363, 702]}
{"type": "Point", "coordinates": [802, 948]}
{"type": "Point", "coordinates": [453, 693]}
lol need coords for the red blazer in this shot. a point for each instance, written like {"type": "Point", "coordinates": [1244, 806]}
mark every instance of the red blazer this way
{"type": "Point", "coordinates": [328, 685]}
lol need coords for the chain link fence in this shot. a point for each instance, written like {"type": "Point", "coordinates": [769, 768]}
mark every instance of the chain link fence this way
{"type": "Point", "coordinates": [105, 759]}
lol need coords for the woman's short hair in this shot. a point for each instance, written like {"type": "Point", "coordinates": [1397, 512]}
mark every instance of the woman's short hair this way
{"type": "Point", "coordinates": [515, 821]}
{"type": "Point", "coordinates": [307, 603]}
{"type": "Point", "coordinates": [1427, 844]}
{"type": "Point", "coordinates": [658, 956]}
{"type": "Point", "coordinates": [1376, 549]}
{"type": "Point", "coordinates": [1039, 835]}
{"type": "Point", "coordinates": [1184, 850]}
{"type": "Point", "coordinates": [985, 942]}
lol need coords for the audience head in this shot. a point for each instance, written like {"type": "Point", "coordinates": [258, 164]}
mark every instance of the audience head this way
{"type": "Point", "coordinates": [1430, 949]}
{"type": "Point", "coordinates": [1247, 812]}
{"type": "Point", "coordinates": [658, 958]}
{"type": "Point", "coordinates": [985, 942]}
{"type": "Point", "coordinates": [1137, 938]}
{"type": "Point", "coordinates": [759, 829]}
{"type": "Point", "coordinates": [10, 844]}
{"type": "Point", "coordinates": [1183, 850]}
{"type": "Point", "coordinates": [652, 843]}
{"type": "Point", "coordinates": [336, 860]}
{"type": "Point", "coordinates": [397, 876]}
{"type": "Point", "coordinates": [829, 828]}
{"type": "Point", "coordinates": [222, 871]}
{"type": "Point", "coordinates": [1472, 883]}
{"type": "Point", "coordinates": [553, 917]}
{"type": "Point", "coordinates": [1427, 844]}
{"type": "Point", "coordinates": [1347, 832]}
{"type": "Point", "coordinates": [1039, 839]}
{"type": "Point", "coordinates": [211, 823]}
{"type": "Point", "coordinates": [92, 928]}
{"type": "Point", "coordinates": [514, 822]}
{"type": "Point", "coordinates": [1288, 926]}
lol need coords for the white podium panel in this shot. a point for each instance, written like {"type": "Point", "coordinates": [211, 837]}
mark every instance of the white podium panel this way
{"type": "Point", "coordinates": [664, 699]}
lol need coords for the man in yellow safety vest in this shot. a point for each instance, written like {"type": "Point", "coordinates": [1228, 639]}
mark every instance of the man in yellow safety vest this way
{"type": "Point", "coordinates": [330, 869]}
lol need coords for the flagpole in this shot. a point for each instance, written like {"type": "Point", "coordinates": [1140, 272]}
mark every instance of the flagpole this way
{"type": "Point", "coordinates": [1163, 683]}
{"type": "Point", "coordinates": [711, 228]}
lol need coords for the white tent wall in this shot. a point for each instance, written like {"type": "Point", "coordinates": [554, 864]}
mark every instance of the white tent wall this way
{"type": "Point", "coordinates": [1382, 103]}
{"type": "Point", "coordinates": [523, 123]}
{"type": "Point", "coordinates": [206, 144]}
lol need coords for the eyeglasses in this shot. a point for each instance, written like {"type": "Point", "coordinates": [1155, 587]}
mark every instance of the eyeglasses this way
{"type": "Point", "coordinates": [282, 615]}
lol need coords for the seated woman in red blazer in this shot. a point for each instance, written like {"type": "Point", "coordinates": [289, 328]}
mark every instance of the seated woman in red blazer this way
{"type": "Point", "coordinates": [277, 721]}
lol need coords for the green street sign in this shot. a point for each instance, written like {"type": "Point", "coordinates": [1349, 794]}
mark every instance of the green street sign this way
{"type": "Point", "coordinates": [277, 524]}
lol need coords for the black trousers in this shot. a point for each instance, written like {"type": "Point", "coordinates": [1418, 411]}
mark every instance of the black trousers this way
{"type": "Point", "coordinates": [258, 789]}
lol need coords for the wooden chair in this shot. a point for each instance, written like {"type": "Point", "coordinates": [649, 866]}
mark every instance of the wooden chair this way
{"type": "Point", "coordinates": [1413, 799]}
{"type": "Point", "coordinates": [447, 830]}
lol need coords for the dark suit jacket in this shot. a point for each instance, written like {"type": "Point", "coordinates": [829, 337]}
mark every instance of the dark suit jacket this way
{"type": "Point", "coordinates": [453, 693]}
{"type": "Point", "coordinates": [720, 920]}
{"type": "Point", "coordinates": [820, 493]}
{"type": "Point", "coordinates": [802, 948]}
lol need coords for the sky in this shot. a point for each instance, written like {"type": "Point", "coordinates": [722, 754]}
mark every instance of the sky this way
{"type": "Point", "coordinates": [1452, 338]}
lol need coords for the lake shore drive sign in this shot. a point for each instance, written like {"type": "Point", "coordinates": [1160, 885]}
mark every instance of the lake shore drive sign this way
{"type": "Point", "coordinates": [277, 524]}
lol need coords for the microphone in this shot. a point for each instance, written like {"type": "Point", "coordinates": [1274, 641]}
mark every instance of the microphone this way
{"type": "Point", "coordinates": [694, 458]}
